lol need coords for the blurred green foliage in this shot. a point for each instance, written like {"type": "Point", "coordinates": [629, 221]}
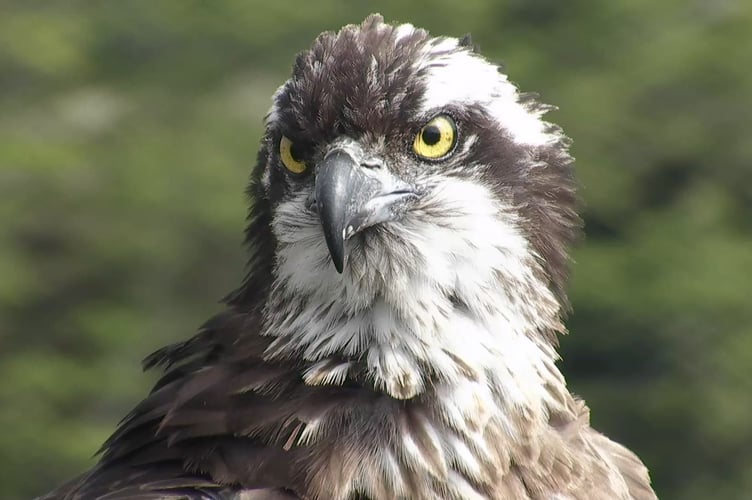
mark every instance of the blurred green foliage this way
{"type": "Point", "coordinates": [127, 131]}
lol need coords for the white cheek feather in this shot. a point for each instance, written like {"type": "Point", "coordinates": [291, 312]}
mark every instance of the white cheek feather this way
{"type": "Point", "coordinates": [460, 77]}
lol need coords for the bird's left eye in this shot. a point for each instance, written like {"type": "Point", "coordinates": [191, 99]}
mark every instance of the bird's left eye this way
{"type": "Point", "coordinates": [289, 156]}
{"type": "Point", "coordinates": [436, 139]}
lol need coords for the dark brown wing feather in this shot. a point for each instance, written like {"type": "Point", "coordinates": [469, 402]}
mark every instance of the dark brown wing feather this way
{"type": "Point", "coordinates": [190, 438]}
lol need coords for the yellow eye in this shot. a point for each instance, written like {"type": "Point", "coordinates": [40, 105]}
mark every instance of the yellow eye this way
{"type": "Point", "coordinates": [436, 139]}
{"type": "Point", "coordinates": [288, 156]}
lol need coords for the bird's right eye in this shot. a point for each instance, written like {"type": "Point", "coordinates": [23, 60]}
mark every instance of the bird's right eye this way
{"type": "Point", "coordinates": [290, 159]}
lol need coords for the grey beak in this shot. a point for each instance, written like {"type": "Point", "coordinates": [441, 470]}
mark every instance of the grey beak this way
{"type": "Point", "coordinates": [352, 195]}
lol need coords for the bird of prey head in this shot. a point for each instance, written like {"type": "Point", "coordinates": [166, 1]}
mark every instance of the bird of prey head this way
{"type": "Point", "coordinates": [395, 336]}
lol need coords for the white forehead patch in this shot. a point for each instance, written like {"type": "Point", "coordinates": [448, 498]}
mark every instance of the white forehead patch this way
{"type": "Point", "coordinates": [456, 76]}
{"type": "Point", "coordinates": [403, 31]}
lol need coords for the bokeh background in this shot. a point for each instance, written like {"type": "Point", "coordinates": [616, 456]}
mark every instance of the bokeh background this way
{"type": "Point", "coordinates": [128, 129]}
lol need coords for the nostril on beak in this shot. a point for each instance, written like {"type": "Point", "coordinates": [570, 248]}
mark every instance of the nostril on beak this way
{"type": "Point", "coordinates": [372, 163]}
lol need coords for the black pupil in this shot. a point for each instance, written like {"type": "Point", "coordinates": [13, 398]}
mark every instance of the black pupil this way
{"type": "Point", "coordinates": [431, 135]}
{"type": "Point", "coordinates": [295, 152]}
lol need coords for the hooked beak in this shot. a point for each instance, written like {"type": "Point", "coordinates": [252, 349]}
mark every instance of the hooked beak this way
{"type": "Point", "coordinates": [351, 195]}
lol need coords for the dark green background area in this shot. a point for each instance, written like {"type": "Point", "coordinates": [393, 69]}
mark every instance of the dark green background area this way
{"type": "Point", "coordinates": [128, 130]}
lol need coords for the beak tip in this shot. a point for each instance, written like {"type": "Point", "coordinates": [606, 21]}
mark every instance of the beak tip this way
{"type": "Point", "coordinates": [336, 252]}
{"type": "Point", "coordinates": [338, 265]}
{"type": "Point", "coordinates": [338, 259]}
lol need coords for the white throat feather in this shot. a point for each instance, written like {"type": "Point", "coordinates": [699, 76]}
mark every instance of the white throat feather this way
{"type": "Point", "coordinates": [441, 303]}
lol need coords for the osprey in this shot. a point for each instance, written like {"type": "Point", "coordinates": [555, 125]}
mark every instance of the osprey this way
{"type": "Point", "coordinates": [395, 337]}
